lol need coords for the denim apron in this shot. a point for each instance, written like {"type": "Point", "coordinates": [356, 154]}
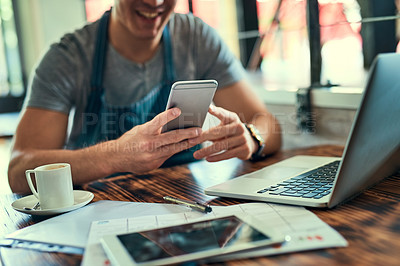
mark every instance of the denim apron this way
{"type": "Point", "coordinates": [110, 122]}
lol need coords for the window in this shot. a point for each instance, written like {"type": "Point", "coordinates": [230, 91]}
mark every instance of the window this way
{"type": "Point", "coordinates": [347, 34]}
{"type": "Point", "coordinates": [341, 43]}
{"type": "Point", "coordinates": [221, 15]}
{"type": "Point", "coordinates": [284, 50]}
{"type": "Point", "coordinates": [11, 81]}
{"type": "Point", "coordinates": [286, 43]}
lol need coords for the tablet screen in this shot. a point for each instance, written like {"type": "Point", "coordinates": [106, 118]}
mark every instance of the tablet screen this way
{"type": "Point", "coordinates": [189, 238]}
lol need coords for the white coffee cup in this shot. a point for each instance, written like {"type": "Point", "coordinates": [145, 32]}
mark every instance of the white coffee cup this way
{"type": "Point", "coordinates": [54, 185]}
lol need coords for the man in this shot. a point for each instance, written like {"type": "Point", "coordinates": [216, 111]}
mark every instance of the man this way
{"type": "Point", "coordinates": [114, 74]}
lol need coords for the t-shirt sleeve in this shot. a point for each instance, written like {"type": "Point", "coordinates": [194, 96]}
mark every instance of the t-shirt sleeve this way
{"type": "Point", "coordinates": [214, 58]}
{"type": "Point", "coordinates": [54, 81]}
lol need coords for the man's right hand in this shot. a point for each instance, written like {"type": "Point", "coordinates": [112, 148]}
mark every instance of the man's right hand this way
{"type": "Point", "coordinates": [145, 148]}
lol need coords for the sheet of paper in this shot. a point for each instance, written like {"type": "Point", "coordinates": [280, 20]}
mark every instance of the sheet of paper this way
{"type": "Point", "coordinates": [306, 230]}
{"type": "Point", "coordinates": [72, 229]}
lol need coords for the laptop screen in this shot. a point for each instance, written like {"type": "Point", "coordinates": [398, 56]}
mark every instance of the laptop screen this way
{"type": "Point", "coordinates": [373, 147]}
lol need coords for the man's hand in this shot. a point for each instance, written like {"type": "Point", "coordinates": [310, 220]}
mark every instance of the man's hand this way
{"type": "Point", "coordinates": [229, 139]}
{"type": "Point", "coordinates": [145, 148]}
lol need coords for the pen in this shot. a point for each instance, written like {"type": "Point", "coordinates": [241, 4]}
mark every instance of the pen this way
{"type": "Point", "coordinates": [191, 204]}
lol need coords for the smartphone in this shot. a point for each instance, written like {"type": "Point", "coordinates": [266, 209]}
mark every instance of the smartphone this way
{"type": "Point", "coordinates": [190, 241]}
{"type": "Point", "coordinates": [193, 98]}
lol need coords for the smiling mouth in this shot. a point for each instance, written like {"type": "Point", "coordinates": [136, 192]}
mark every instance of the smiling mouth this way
{"type": "Point", "coordinates": [148, 15]}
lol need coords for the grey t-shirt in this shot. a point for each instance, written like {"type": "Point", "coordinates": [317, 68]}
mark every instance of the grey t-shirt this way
{"type": "Point", "coordinates": [62, 79]}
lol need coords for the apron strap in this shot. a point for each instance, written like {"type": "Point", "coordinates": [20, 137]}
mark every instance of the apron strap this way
{"type": "Point", "coordinates": [94, 102]}
{"type": "Point", "coordinates": [100, 52]}
{"type": "Point", "coordinates": [169, 62]}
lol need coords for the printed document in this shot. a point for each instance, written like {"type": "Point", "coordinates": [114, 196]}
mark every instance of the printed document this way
{"type": "Point", "coordinates": [305, 229]}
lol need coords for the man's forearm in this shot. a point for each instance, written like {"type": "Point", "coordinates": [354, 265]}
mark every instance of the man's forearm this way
{"type": "Point", "coordinates": [87, 164]}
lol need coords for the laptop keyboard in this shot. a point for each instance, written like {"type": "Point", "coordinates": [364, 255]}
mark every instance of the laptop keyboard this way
{"type": "Point", "coordinates": [315, 184]}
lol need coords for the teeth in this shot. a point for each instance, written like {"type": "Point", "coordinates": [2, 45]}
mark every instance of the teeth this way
{"type": "Point", "coordinates": [148, 14]}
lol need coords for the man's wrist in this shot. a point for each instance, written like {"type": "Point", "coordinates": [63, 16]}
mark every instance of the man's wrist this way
{"type": "Point", "coordinates": [108, 153]}
{"type": "Point", "coordinates": [255, 134]}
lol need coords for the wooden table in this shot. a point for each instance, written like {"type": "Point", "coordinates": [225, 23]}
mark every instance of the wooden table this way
{"type": "Point", "coordinates": [370, 222]}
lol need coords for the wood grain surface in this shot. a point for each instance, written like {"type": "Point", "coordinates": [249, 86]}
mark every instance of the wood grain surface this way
{"type": "Point", "coordinates": [370, 222]}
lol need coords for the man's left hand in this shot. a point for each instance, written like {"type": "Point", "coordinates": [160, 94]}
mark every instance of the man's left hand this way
{"type": "Point", "coordinates": [229, 139]}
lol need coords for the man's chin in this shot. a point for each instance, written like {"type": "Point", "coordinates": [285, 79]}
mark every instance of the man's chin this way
{"type": "Point", "coordinates": [149, 34]}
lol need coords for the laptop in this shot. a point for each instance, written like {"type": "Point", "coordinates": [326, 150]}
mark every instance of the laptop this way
{"type": "Point", "coordinates": [372, 153]}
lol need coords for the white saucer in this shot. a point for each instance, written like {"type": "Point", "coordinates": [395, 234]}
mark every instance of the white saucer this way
{"type": "Point", "coordinates": [81, 198]}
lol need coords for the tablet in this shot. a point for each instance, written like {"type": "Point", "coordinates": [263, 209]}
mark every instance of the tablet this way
{"type": "Point", "coordinates": [193, 98]}
{"type": "Point", "coordinates": [189, 241]}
